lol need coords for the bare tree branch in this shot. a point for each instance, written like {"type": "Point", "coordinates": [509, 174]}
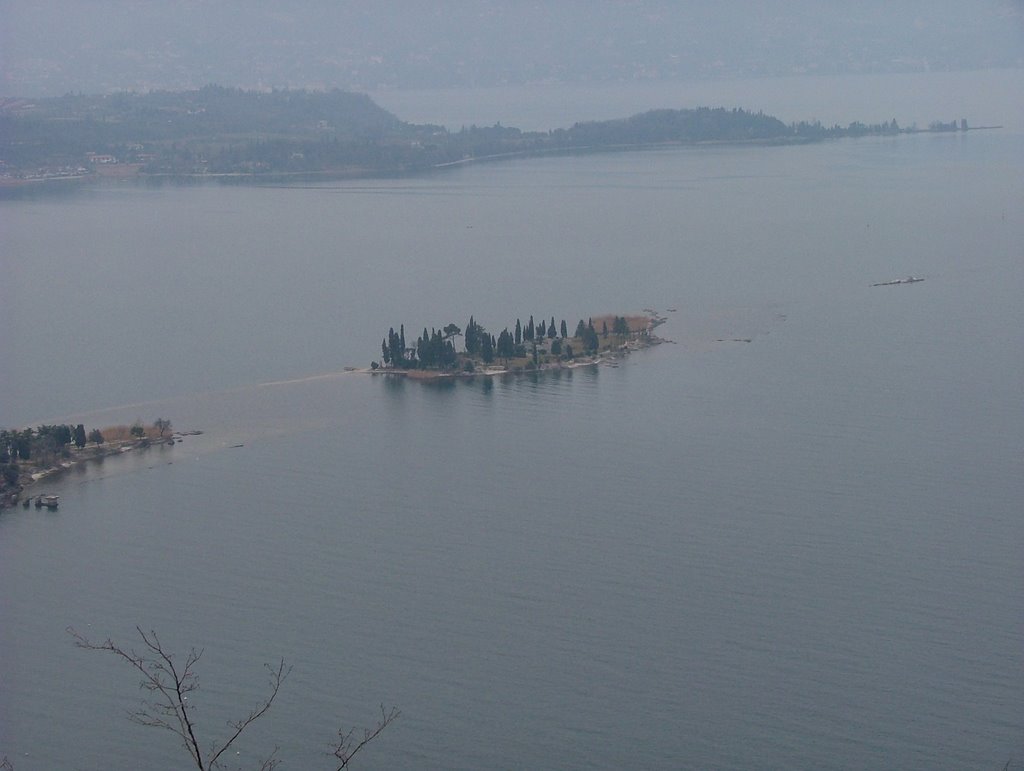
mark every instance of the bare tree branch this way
{"type": "Point", "coordinates": [170, 687]}
{"type": "Point", "coordinates": [169, 683]}
{"type": "Point", "coordinates": [277, 677]}
{"type": "Point", "coordinates": [271, 762]}
{"type": "Point", "coordinates": [345, 749]}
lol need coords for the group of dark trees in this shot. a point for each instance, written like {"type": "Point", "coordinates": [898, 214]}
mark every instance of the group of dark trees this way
{"type": "Point", "coordinates": [951, 126]}
{"type": "Point", "coordinates": [656, 126]}
{"type": "Point", "coordinates": [232, 131]}
{"type": "Point", "coordinates": [393, 349]}
{"type": "Point", "coordinates": [44, 440]}
{"type": "Point", "coordinates": [47, 444]}
{"type": "Point", "coordinates": [435, 349]}
{"type": "Point", "coordinates": [815, 131]}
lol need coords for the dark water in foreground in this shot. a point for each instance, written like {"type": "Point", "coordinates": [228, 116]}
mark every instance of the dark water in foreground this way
{"type": "Point", "coordinates": [802, 551]}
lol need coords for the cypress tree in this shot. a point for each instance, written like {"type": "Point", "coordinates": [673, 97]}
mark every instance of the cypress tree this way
{"type": "Point", "coordinates": [505, 344]}
{"type": "Point", "coordinates": [472, 337]}
{"type": "Point", "coordinates": [436, 348]}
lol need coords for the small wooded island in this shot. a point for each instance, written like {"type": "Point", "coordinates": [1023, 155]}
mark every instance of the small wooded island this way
{"type": "Point", "coordinates": [531, 347]}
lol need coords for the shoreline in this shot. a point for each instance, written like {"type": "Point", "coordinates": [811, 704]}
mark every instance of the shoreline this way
{"type": "Point", "coordinates": [80, 457]}
{"type": "Point", "coordinates": [426, 375]}
{"type": "Point", "coordinates": [131, 171]}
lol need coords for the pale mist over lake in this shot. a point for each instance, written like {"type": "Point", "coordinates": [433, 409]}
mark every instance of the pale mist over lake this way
{"type": "Point", "coordinates": [790, 539]}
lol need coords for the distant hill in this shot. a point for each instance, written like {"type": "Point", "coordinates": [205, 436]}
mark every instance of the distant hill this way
{"type": "Point", "coordinates": [104, 47]}
{"type": "Point", "coordinates": [207, 112]}
{"type": "Point", "coordinates": [702, 124]}
{"type": "Point", "coordinates": [137, 128]}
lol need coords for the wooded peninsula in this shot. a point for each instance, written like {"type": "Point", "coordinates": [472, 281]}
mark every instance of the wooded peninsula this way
{"type": "Point", "coordinates": [233, 134]}
{"type": "Point", "coordinates": [530, 347]}
{"type": "Point", "coordinates": [30, 454]}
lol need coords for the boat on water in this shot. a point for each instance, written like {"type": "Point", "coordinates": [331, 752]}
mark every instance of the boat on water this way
{"type": "Point", "coordinates": [904, 280]}
{"type": "Point", "coordinates": [50, 502]}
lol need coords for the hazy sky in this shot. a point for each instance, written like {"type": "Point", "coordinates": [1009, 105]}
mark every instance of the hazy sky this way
{"type": "Point", "coordinates": [51, 47]}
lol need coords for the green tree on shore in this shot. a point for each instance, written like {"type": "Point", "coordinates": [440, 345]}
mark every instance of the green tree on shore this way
{"type": "Point", "coordinates": [590, 341]}
{"type": "Point", "coordinates": [486, 349]}
{"type": "Point", "coordinates": [62, 435]}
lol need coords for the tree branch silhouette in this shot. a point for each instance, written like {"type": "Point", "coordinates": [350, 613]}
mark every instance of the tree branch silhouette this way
{"type": "Point", "coordinates": [347, 746]}
{"type": "Point", "coordinates": [169, 682]}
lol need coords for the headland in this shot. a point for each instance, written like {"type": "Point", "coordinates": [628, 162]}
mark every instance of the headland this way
{"type": "Point", "coordinates": [30, 455]}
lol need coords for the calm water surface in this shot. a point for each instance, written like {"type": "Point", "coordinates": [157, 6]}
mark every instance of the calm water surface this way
{"type": "Point", "coordinates": [798, 551]}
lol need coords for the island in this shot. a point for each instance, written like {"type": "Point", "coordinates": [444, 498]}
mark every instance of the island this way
{"type": "Point", "coordinates": [533, 346]}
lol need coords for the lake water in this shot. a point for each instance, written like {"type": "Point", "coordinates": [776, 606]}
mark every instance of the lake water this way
{"type": "Point", "coordinates": [799, 551]}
